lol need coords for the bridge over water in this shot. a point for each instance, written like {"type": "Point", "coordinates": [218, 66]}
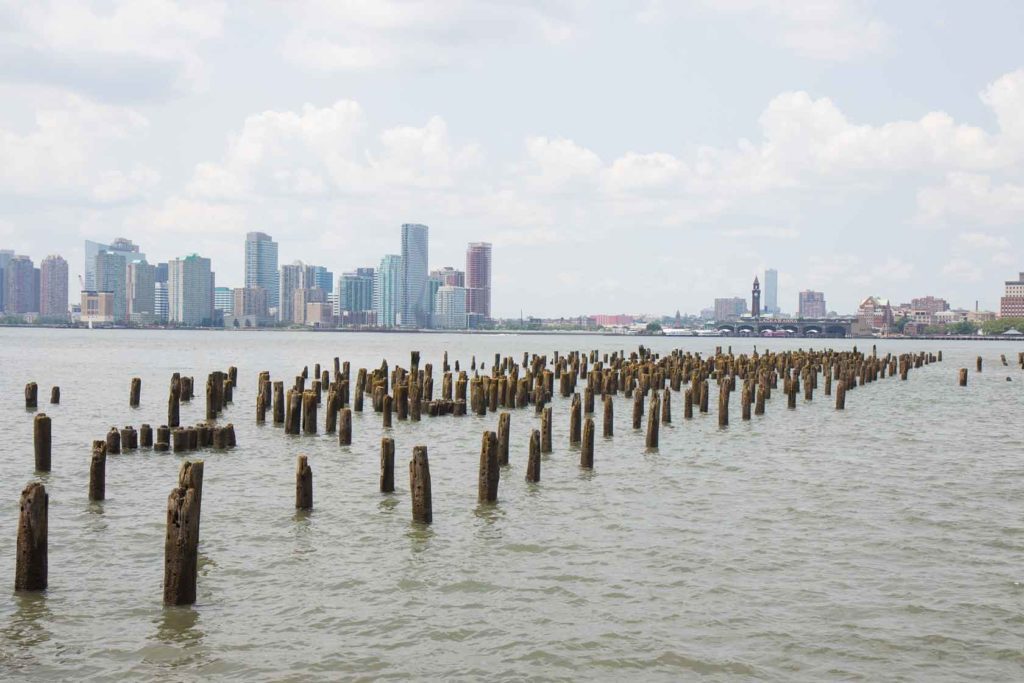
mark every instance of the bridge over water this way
{"type": "Point", "coordinates": [802, 327]}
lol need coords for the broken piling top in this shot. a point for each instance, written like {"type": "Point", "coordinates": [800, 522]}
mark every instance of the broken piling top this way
{"type": "Point", "coordinates": [31, 565]}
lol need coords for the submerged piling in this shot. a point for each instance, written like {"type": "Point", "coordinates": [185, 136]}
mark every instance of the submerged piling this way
{"type": "Point", "coordinates": [31, 570]}
{"type": "Point", "coordinates": [181, 541]}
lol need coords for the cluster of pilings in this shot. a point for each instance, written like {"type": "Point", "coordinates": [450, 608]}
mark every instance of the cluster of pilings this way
{"type": "Point", "coordinates": [644, 378]}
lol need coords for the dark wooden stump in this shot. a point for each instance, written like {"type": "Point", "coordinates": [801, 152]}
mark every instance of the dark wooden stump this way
{"type": "Point", "coordinates": [181, 543]}
{"type": "Point", "coordinates": [30, 572]}
{"type": "Point", "coordinates": [387, 465]}
{"type": "Point", "coordinates": [42, 441]}
{"type": "Point", "coordinates": [419, 486]}
{"type": "Point", "coordinates": [487, 485]}
{"type": "Point", "coordinates": [303, 484]}
{"type": "Point", "coordinates": [533, 464]}
{"type": "Point", "coordinates": [98, 471]}
{"type": "Point", "coordinates": [587, 445]}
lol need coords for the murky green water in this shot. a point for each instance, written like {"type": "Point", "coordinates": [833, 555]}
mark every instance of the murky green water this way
{"type": "Point", "coordinates": [882, 542]}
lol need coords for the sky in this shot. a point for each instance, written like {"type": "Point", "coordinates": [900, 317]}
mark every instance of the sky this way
{"type": "Point", "coordinates": [641, 156]}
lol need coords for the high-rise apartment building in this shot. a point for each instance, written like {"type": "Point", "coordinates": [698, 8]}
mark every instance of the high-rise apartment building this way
{"type": "Point", "coordinates": [224, 299]}
{"type": "Point", "coordinates": [812, 304]}
{"type": "Point", "coordinates": [250, 301]}
{"type": "Point", "coordinates": [141, 292]}
{"type": "Point", "coordinates": [261, 266]}
{"type": "Point", "coordinates": [449, 276]}
{"type": "Point", "coordinates": [292, 278]}
{"type": "Point", "coordinates": [450, 308]}
{"type": "Point", "coordinates": [111, 275]}
{"type": "Point", "coordinates": [478, 282]}
{"type": "Point", "coordinates": [161, 301]}
{"type": "Point", "coordinates": [771, 291]}
{"type": "Point", "coordinates": [387, 289]}
{"type": "Point", "coordinates": [53, 288]}
{"type": "Point", "coordinates": [20, 286]}
{"type": "Point", "coordinates": [190, 285]}
{"type": "Point", "coordinates": [415, 298]}
{"type": "Point", "coordinates": [1011, 304]}
{"type": "Point", "coordinates": [124, 247]}
{"type": "Point", "coordinates": [355, 292]}
{"type": "Point", "coordinates": [730, 308]}
{"type": "Point", "coordinates": [5, 257]}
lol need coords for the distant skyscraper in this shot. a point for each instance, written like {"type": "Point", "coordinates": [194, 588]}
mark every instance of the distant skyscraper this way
{"type": "Point", "coordinates": [414, 299]}
{"type": "Point", "coordinates": [812, 304]}
{"type": "Point", "coordinates": [387, 288]}
{"type": "Point", "coordinates": [730, 308]}
{"type": "Point", "coordinates": [53, 288]}
{"type": "Point", "coordinates": [224, 299]}
{"type": "Point", "coordinates": [323, 279]}
{"type": "Point", "coordinates": [293, 277]}
{"type": "Point", "coordinates": [355, 292]}
{"type": "Point", "coordinates": [478, 282]}
{"type": "Point", "coordinates": [450, 308]}
{"type": "Point", "coordinates": [261, 265]}
{"type": "Point", "coordinates": [250, 301]}
{"type": "Point", "coordinates": [449, 276]}
{"type": "Point", "coordinates": [190, 285]}
{"type": "Point", "coordinates": [5, 257]}
{"type": "Point", "coordinates": [161, 273]}
{"type": "Point", "coordinates": [755, 299]}
{"type": "Point", "coordinates": [141, 292]}
{"type": "Point", "coordinates": [19, 283]}
{"type": "Point", "coordinates": [122, 246]}
{"type": "Point", "coordinates": [1011, 304]}
{"type": "Point", "coordinates": [161, 302]}
{"type": "Point", "coordinates": [111, 275]}
{"type": "Point", "coordinates": [771, 291]}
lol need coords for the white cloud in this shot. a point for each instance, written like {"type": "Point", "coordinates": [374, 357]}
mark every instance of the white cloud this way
{"type": "Point", "coordinates": [980, 240]}
{"type": "Point", "coordinates": [764, 231]}
{"type": "Point", "coordinates": [831, 30]}
{"type": "Point", "coordinates": [971, 198]}
{"type": "Point", "coordinates": [68, 154]}
{"type": "Point", "coordinates": [353, 35]}
{"type": "Point", "coordinates": [110, 40]}
{"type": "Point", "coordinates": [962, 269]}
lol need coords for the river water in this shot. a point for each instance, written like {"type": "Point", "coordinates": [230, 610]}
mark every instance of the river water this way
{"type": "Point", "coordinates": [885, 541]}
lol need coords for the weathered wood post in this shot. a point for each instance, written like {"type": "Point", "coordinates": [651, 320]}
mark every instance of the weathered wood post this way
{"type": "Point", "coordinates": [963, 377]}
{"type": "Point", "coordinates": [135, 392]}
{"type": "Point", "coordinates": [279, 403]}
{"type": "Point", "coordinates": [55, 395]}
{"type": "Point", "coordinates": [41, 439]}
{"type": "Point", "coordinates": [545, 430]}
{"type": "Point", "coordinates": [402, 401]}
{"type": "Point", "coordinates": [174, 401]}
{"type": "Point", "coordinates": [587, 447]}
{"type": "Point", "coordinates": [978, 364]}
{"type": "Point", "coordinates": [345, 427]}
{"type": "Point", "coordinates": [723, 405]}
{"type": "Point", "coordinates": [688, 404]}
{"type": "Point", "coordinates": [309, 409]}
{"type": "Point", "coordinates": [533, 464]}
{"type": "Point", "coordinates": [113, 441]}
{"type": "Point", "coordinates": [181, 543]}
{"type": "Point", "coordinates": [652, 422]}
{"type": "Point", "coordinates": [666, 406]}
{"type": "Point", "coordinates": [386, 410]}
{"type": "Point", "coordinates": [163, 438]}
{"type": "Point", "coordinates": [98, 471]}
{"type": "Point", "coordinates": [415, 402]}
{"type": "Point", "coordinates": [145, 436]}
{"type": "Point", "coordinates": [504, 426]}
{"type": "Point", "coordinates": [638, 409]}
{"type": "Point", "coordinates": [490, 472]}
{"type": "Point", "coordinates": [745, 403]}
{"type": "Point", "coordinates": [31, 570]}
{"type": "Point", "coordinates": [387, 465]}
{"type": "Point", "coordinates": [303, 484]}
{"type": "Point", "coordinates": [609, 421]}
{"type": "Point", "coordinates": [31, 396]}
{"type": "Point", "coordinates": [841, 395]}
{"type": "Point", "coordinates": [419, 485]}
{"type": "Point", "coordinates": [293, 417]}
{"type": "Point", "coordinates": [575, 420]}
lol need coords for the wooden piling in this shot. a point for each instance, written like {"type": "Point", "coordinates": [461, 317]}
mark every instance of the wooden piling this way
{"type": "Point", "coordinates": [55, 395]}
{"type": "Point", "coordinates": [504, 426]}
{"type": "Point", "coordinates": [688, 404]}
{"type": "Point", "coordinates": [652, 422]}
{"type": "Point", "coordinates": [666, 407]}
{"type": "Point", "coordinates": [113, 441]}
{"type": "Point", "coordinates": [386, 410]}
{"type": "Point", "coordinates": [841, 395]}
{"type": "Point", "coordinates": [279, 403]}
{"type": "Point", "coordinates": [963, 377]}
{"type": "Point", "coordinates": [533, 464]}
{"type": "Point", "coordinates": [31, 570]}
{"type": "Point", "coordinates": [419, 486]}
{"type": "Point", "coordinates": [575, 420]}
{"type": "Point", "coordinates": [587, 445]}
{"type": "Point", "coordinates": [42, 441]}
{"type": "Point", "coordinates": [31, 396]}
{"type": "Point", "coordinates": [135, 393]}
{"type": "Point", "coordinates": [181, 541]}
{"type": "Point", "coordinates": [98, 471]}
{"type": "Point", "coordinates": [309, 409]}
{"type": "Point", "coordinates": [978, 364]}
{"type": "Point", "coordinates": [303, 484]}
{"type": "Point", "coordinates": [745, 403]}
{"type": "Point", "coordinates": [174, 402]}
{"type": "Point", "coordinates": [345, 427]}
{"type": "Point", "coordinates": [490, 472]}
{"type": "Point", "coordinates": [609, 417]}
{"type": "Point", "coordinates": [638, 409]}
{"type": "Point", "coordinates": [545, 430]}
{"type": "Point", "coordinates": [723, 405]}
{"type": "Point", "coordinates": [387, 465]}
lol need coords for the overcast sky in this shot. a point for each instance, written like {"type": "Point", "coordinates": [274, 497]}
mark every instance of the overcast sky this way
{"type": "Point", "coordinates": [621, 156]}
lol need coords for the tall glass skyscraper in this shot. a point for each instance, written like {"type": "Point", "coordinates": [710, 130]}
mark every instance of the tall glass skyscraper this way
{"type": "Point", "coordinates": [387, 290]}
{"type": "Point", "coordinates": [478, 282]}
{"type": "Point", "coordinates": [415, 297]}
{"type": "Point", "coordinates": [261, 266]}
{"type": "Point", "coordinates": [111, 275]}
{"type": "Point", "coordinates": [53, 288]}
{"type": "Point", "coordinates": [771, 291]}
{"type": "Point", "coordinates": [125, 247]}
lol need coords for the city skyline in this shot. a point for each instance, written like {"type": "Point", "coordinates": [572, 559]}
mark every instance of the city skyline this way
{"type": "Point", "coordinates": [844, 136]}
